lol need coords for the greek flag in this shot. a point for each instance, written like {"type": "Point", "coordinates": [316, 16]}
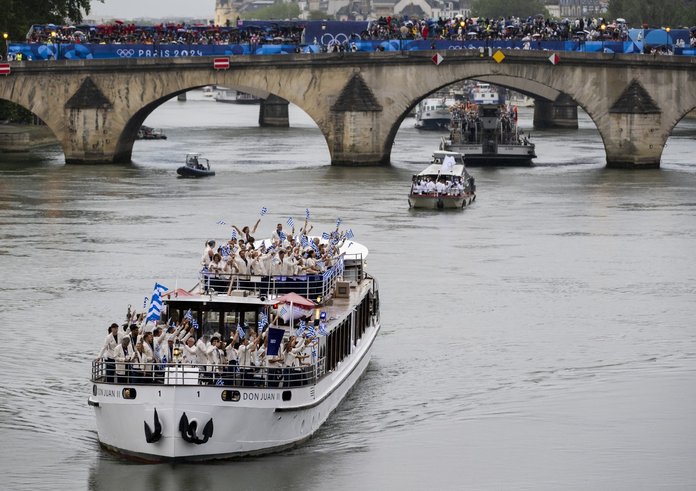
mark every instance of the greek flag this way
{"type": "Point", "coordinates": [322, 329]}
{"type": "Point", "coordinates": [306, 213]}
{"type": "Point", "coordinates": [189, 317]}
{"type": "Point", "coordinates": [240, 331]}
{"type": "Point", "coordinates": [153, 313]}
{"type": "Point", "coordinates": [349, 234]}
{"type": "Point", "coordinates": [283, 311]}
{"type": "Point", "coordinates": [222, 222]}
{"type": "Point", "coordinates": [325, 235]}
{"type": "Point", "coordinates": [315, 247]}
{"type": "Point", "coordinates": [304, 241]}
{"type": "Point", "coordinates": [145, 302]}
{"type": "Point", "coordinates": [263, 321]}
{"type": "Point", "coordinates": [234, 234]}
{"type": "Point", "coordinates": [219, 381]}
{"type": "Point", "coordinates": [225, 250]}
{"type": "Point", "coordinates": [290, 222]}
{"type": "Point", "coordinates": [282, 236]}
{"type": "Point", "coordinates": [338, 222]}
{"type": "Point", "coordinates": [264, 210]}
{"type": "Point", "coordinates": [164, 360]}
{"type": "Point", "coordinates": [301, 328]}
{"type": "Point", "coordinates": [310, 331]}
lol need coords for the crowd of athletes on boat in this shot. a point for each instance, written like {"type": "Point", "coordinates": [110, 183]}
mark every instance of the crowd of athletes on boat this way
{"type": "Point", "coordinates": [287, 254]}
{"type": "Point", "coordinates": [445, 184]}
{"type": "Point", "coordinates": [136, 353]}
{"type": "Point", "coordinates": [536, 28]}
{"type": "Point", "coordinates": [139, 352]}
{"type": "Point", "coordinates": [466, 123]}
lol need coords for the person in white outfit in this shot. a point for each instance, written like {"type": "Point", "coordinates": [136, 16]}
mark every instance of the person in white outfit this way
{"type": "Point", "coordinates": [108, 351]}
{"type": "Point", "coordinates": [123, 356]}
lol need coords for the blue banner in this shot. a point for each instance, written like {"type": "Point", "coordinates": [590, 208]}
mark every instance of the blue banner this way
{"type": "Point", "coordinates": [37, 51]}
{"type": "Point", "coordinates": [275, 338]}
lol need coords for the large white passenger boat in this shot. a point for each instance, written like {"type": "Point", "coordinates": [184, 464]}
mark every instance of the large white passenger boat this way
{"type": "Point", "coordinates": [432, 113]}
{"type": "Point", "coordinates": [175, 411]}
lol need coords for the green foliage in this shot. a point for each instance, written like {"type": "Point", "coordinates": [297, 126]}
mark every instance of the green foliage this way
{"type": "Point", "coordinates": [656, 14]}
{"type": "Point", "coordinates": [506, 8]}
{"type": "Point", "coordinates": [278, 10]}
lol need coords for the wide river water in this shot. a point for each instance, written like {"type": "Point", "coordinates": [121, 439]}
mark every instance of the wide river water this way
{"type": "Point", "coordinates": [543, 338]}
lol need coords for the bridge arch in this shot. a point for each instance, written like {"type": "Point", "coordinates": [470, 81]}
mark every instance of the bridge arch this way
{"type": "Point", "coordinates": [25, 140]}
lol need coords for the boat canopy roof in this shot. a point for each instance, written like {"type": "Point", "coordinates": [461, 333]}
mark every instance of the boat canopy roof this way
{"type": "Point", "coordinates": [436, 170]}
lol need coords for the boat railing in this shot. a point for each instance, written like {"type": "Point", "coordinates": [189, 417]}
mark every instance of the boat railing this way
{"type": "Point", "coordinates": [308, 285]}
{"type": "Point", "coordinates": [231, 375]}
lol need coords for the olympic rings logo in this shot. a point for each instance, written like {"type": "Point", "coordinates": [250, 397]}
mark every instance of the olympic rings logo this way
{"type": "Point", "coordinates": [329, 39]}
{"type": "Point", "coordinates": [125, 53]}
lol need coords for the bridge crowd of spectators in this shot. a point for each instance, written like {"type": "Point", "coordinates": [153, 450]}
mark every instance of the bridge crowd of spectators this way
{"type": "Point", "coordinates": [122, 33]}
{"type": "Point", "coordinates": [460, 28]}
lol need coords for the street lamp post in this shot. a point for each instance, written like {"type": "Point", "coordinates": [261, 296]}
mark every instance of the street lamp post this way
{"type": "Point", "coordinates": [5, 36]}
{"type": "Point", "coordinates": [603, 29]}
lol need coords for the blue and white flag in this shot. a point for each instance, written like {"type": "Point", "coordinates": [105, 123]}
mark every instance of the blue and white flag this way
{"type": "Point", "coordinates": [304, 241]}
{"type": "Point", "coordinates": [315, 247]}
{"type": "Point", "coordinates": [189, 317]}
{"type": "Point", "coordinates": [306, 213]}
{"type": "Point", "coordinates": [322, 329]}
{"type": "Point", "coordinates": [263, 321]}
{"type": "Point", "coordinates": [283, 311]}
{"type": "Point", "coordinates": [310, 331]}
{"type": "Point", "coordinates": [264, 210]}
{"type": "Point", "coordinates": [145, 302]}
{"type": "Point", "coordinates": [222, 222]}
{"type": "Point", "coordinates": [225, 250]}
{"type": "Point", "coordinates": [164, 360]}
{"type": "Point", "coordinates": [301, 328]}
{"type": "Point", "coordinates": [325, 235]}
{"type": "Point", "coordinates": [290, 222]}
{"type": "Point", "coordinates": [154, 312]}
{"type": "Point", "coordinates": [240, 331]}
{"type": "Point", "coordinates": [282, 236]}
{"type": "Point", "coordinates": [234, 234]}
{"type": "Point", "coordinates": [219, 381]}
{"type": "Point", "coordinates": [338, 222]}
{"type": "Point", "coordinates": [349, 234]}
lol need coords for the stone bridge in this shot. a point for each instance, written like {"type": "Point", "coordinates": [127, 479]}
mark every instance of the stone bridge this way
{"type": "Point", "coordinates": [358, 100]}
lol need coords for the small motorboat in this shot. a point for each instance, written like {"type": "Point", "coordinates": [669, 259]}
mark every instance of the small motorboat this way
{"type": "Point", "coordinates": [196, 166]}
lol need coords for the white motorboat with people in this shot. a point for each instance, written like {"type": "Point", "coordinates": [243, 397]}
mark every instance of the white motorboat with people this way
{"type": "Point", "coordinates": [488, 135]}
{"type": "Point", "coordinates": [195, 166]}
{"type": "Point", "coordinates": [245, 362]}
{"type": "Point", "coordinates": [444, 184]}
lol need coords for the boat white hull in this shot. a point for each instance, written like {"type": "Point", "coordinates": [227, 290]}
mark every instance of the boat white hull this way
{"type": "Point", "coordinates": [260, 422]}
{"type": "Point", "coordinates": [434, 202]}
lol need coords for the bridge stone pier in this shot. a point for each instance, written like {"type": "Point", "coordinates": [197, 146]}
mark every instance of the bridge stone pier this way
{"type": "Point", "coordinates": [358, 100]}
